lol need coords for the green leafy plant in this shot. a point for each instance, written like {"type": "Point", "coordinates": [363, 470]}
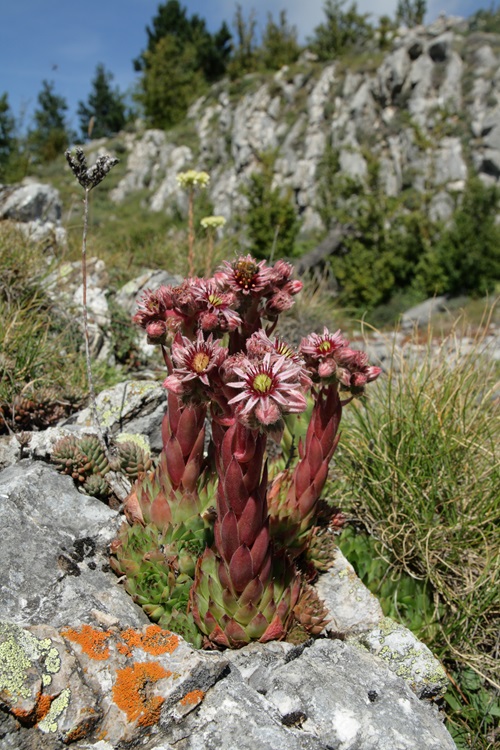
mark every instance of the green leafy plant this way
{"type": "Point", "coordinates": [271, 221]}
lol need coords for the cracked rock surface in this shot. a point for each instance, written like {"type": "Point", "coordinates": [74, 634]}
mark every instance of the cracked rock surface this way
{"type": "Point", "coordinates": [82, 667]}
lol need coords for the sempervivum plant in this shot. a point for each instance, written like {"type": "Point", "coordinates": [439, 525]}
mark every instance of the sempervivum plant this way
{"type": "Point", "coordinates": [228, 543]}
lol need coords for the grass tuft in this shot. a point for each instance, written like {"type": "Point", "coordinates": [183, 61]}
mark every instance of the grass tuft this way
{"type": "Point", "coordinates": [420, 470]}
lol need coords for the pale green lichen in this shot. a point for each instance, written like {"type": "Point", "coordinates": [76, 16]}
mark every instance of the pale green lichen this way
{"type": "Point", "coordinates": [406, 656]}
{"type": "Point", "coordinates": [110, 412]}
{"type": "Point", "coordinates": [19, 651]}
{"type": "Point", "coordinates": [14, 665]}
{"type": "Point", "coordinates": [49, 723]}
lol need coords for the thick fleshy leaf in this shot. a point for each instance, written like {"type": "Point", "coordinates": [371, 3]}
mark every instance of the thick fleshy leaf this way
{"type": "Point", "coordinates": [234, 490]}
{"type": "Point", "coordinates": [252, 592]}
{"type": "Point", "coordinates": [250, 521]}
{"type": "Point", "coordinates": [227, 537]}
{"type": "Point", "coordinates": [260, 549]}
{"type": "Point", "coordinates": [314, 455]}
{"type": "Point", "coordinates": [307, 500]}
{"type": "Point", "coordinates": [245, 614]}
{"type": "Point", "coordinates": [215, 591]}
{"type": "Point", "coordinates": [190, 475]}
{"type": "Point", "coordinates": [236, 634]}
{"type": "Point", "coordinates": [230, 602]}
{"type": "Point", "coordinates": [241, 568]}
{"type": "Point", "coordinates": [218, 636]}
{"type": "Point", "coordinates": [301, 477]}
{"type": "Point", "coordinates": [159, 512]}
{"type": "Point", "coordinates": [175, 461]}
{"type": "Point", "coordinates": [275, 631]}
{"type": "Point", "coordinates": [266, 569]}
{"type": "Point", "coordinates": [257, 626]}
{"type": "Point", "coordinates": [132, 509]}
{"type": "Point", "coordinates": [197, 449]}
{"type": "Point", "coordinates": [188, 429]}
{"type": "Point", "coordinates": [223, 574]}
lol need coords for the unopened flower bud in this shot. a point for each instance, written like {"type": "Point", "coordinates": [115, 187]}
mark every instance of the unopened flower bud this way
{"type": "Point", "coordinates": [157, 332]}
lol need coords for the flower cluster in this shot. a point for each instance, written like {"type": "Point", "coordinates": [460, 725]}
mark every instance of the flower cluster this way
{"type": "Point", "coordinates": [329, 359]}
{"type": "Point", "coordinates": [213, 222]}
{"type": "Point", "coordinates": [192, 179]}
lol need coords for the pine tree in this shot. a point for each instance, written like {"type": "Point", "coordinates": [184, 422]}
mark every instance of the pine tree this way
{"type": "Point", "coordinates": [279, 42]}
{"type": "Point", "coordinates": [341, 29]}
{"type": "Point", "coordinates": [181, 56]}
{"type": "Point", "coordinates": [7, 136]}
{"type": "Point", "coordinates": [411, 12]}
{"type": "Point", "coordinates": [104, 113]}
{"type": "Point", "coordinates": [50, 135]}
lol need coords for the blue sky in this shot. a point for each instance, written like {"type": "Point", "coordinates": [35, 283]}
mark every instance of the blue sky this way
{"type": "Point", "coordinates": [63, 40]}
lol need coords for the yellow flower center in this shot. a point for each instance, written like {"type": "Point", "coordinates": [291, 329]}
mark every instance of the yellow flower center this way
{"type": "Point", "coordinates": [325, 346]}
{"type": "Point", "coordinates": [262, 383]}
{"type": "Point", "coordinates": [285, 350]}
{"type": "Point", "coordinates": [200, 361]}
{"type": "Point", "coordinates": [214, 299]}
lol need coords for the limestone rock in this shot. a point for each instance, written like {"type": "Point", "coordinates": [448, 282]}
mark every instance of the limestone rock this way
{"type": "Point", "coordinates": [407, 657]}
{"type": "Point", "coordinates": [136, 406]}
{"type": "Point", "coordinates": [31, 201]}
{"type": "Point", "coordinates": [53, 560]}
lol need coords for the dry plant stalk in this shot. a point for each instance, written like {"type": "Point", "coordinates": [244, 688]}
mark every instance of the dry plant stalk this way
{"type": "Point", "coordinates": [89, 178]}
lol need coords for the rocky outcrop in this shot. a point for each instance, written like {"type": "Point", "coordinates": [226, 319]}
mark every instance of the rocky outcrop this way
{"type": "Point", "coordinates": [80, 666]}
{"type": "Point", "coordinates": [427, 111]}
{"type": "Point", "coordinates": [35, 208]}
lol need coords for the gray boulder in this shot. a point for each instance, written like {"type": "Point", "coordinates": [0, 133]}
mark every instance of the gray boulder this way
{"type": "Point", "coordinates": [30, 201]}
{"type": "Point", "coordinates": [53, 560]}
{"type": "Point", "coordinates": [80, 665]}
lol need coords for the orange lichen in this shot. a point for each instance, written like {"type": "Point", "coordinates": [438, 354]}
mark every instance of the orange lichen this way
{"type": "Point", "coordinates": [43, 705]}
{"type": "Point", "coordinates": [154, 641]}
{"type": "Point", "coordinates": [80, 731]}
{"type": "Point", "coordinates": [132, 692]}
{"type": "Point", "coordinates": [123, 649]}
{"type": "Point", "coordinates": [92, 642]}
{"type": "Point", "coordinates": [29, 717]}
{"type": "Point", "coordinates": [25, 717]}
{"type": "Point", "coordinates": [192, 698]}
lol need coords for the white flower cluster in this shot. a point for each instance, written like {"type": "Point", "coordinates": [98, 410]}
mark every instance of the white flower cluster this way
{"type": "Point", "coordinates": [212, 222]}
{"type": "Point", "coordinates": [191, 179]}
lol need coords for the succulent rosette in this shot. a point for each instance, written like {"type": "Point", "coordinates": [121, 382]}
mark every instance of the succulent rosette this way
{"type": "Point", "coordinates": [241, 592]}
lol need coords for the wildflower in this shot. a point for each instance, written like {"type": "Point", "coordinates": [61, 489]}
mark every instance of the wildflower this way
{"type": "Point", "coordinates": [245, 276]}
{"type": "Point", "coordinates": [259, 343]}
{"type": "Point", "coordinates": [192, 179]}
{"type": "Point", "coordinates": [194, 362]}
{"type": "Point", "coordinates": [213, 222]}
{"type": "Point", "coordinates": [269, 388]}
{"type": "Point", "coordinates": [215, 307]}
{"type": "Point", "coordinates": [320, 346]}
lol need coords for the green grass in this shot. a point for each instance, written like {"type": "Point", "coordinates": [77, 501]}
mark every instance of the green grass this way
{"type": "Point", "coordinates": [419, 468]}
{"type": "Point", "coordinates": [41, 357]}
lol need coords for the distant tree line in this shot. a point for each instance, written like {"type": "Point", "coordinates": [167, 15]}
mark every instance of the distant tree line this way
{"type": "Point", "coordinates": [180, 60]}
